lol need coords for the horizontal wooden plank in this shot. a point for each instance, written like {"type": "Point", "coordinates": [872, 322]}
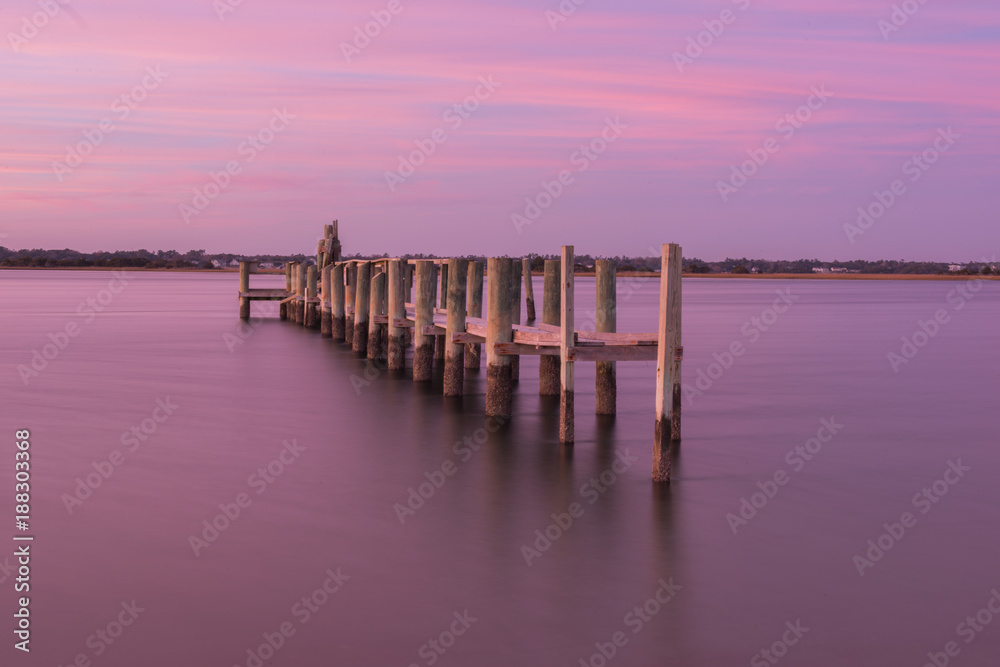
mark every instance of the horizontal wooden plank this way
{"type": "Point", "coordinates": [464, 337]}
{"type": "Point", "coordinates": [403, 323]}
{"type": "Point", "coordinates": [265, 293]}
{"type": "Point", "coordinates": [612, 353]}
{"type": "Point", "coordinates": [621, 338]}
{"type": "Point", "coordinates": [516, 349]}
{"type": "Point", "coordinates": [380, 319]}
{"type": "Point", "coordinates": [432, 330]}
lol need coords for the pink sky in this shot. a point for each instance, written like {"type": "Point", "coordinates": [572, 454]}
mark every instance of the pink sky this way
{"type": "Point", "coordinates": [658, 181]}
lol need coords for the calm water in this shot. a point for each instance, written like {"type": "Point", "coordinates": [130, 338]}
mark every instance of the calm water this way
{"type": "Point", "coordinates": [359, 448]}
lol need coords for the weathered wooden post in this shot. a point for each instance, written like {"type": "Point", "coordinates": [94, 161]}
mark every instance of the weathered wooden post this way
{"type": "Point", "coordinates": [443, 304]}
{"type": "Point", "coordinates": [282, 306]}
{"type": "Point", "coordinates": [474, 308]}
{"type": "Point", "coordinates": [607, 383]}
{"type": "Point", "coordinates": [326, 316]}
{"type": "Point", "coordinates": [408, 289]}
{"type": "Point", "coordinates": [312, 313]}
{"type": "Point", "coordinates": [362, 295]}
{"type": "Point", "coordinates": [423, 343]}
{"type": "Point", "coordinates": [529, 290]}
{"type": "Point", "coordinates": [499, 385]}
{"type": "Point", "coordinates": [351, 276]}
{"type": "Point", "coordinates": [668, 363]}
{"type": "Point", "coordinates": [567, 338]}
{"type": "Point", "coordinates": [548, 365]}
{"type": "Point", "coordinates": [244, 290]}
{"type": "Point", "coordinates": [300, 294]}
{"type": "Point", "coordinates": [396, 360]}
{"type": "Point", "coordinates": [515, 313]}
{"type": "Point", "coordinates": [454, 354]}
{"type": "Point", "coordinates": [376, 330]}
{"type": "Point", "coordinates": [337, 330]}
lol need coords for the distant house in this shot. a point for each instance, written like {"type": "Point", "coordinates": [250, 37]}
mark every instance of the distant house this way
{"type": "Point", "coordinates": [754, 269]}
{"type": "Point", "coordinates": [235, 263]}
{"type": "Point", "coordinates": [217, 264]}
{"type": "Point", "coordinates": [956, 267]}
{"type": "Point", "coordinates": [820, 269]}
{"type": "Point", "coordinates": [838, 269]}
{"type": "Point", "coordinates": [265, 265]}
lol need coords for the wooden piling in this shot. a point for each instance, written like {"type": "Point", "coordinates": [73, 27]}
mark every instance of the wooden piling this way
{"type": "Point", "coordinates": [548, 366]}
{"type": "Point", "coordinates": [567, 338]}
{"type": "Point", "coordinates": [244, 289]}
{"type": "Point", "coordinates": [499, 385]}
{"type": "Point", "coordinates": [300, 294]}
{"type": "Point", "coordinates": [515, 313]}
{"type": "Point", "coordinates": [454, 353]}
{"type": "Point", "coordinates": [439, 344]}
{"type": "Point", "coordinates": [396, 354]}
{"type": "Point", "coordinates": [376, 330]}
{"type": "Point", "coordinates": [529, 290]}
{"type": "Point", "coordinates": [668, 363]}
{"type": "Point", "coordinates": [408, 289]}
{"type": "Point", "coordinates": [283, 306]}
{"type": "Point", "coordinates": [337, 330]}
{"type": "Point", "coordinates": [607, 383]}
{"type": "Point", "coordinates": [326, 319]}
{"type": "Point", "coordinates": [351, 284]}
{"type": "Point", "coordinates": [474, 308]}
{"type": "Point", "coordinates": [311, 310]}
{"type": "Point", "coordinates": [362, 295]}
{"type": "Point", "coordinates": [423, 343]}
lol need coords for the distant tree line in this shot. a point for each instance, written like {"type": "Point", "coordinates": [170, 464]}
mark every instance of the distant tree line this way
{"type": "Point", "coordinates": [172, 259]}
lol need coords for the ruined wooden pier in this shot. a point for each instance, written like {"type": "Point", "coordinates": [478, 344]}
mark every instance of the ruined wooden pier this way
{"type": "Point", "coordinates": [381, 306]}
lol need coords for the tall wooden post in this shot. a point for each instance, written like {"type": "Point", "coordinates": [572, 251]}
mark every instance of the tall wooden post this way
{"type": "Point", "coordinates": [362, 295]}
{"type": "Point", "coordinates": [312, 313]}
{"type": "Point", "coordinates": [337, 327]}
{"type": "Point", "coordinates": [499, 385]}
{"type": "Point", "coordinates": [567, 338]}
{"type": "Point", "coordinates": [454, 353]}
{"type": "Point", "coordinates": [326, 318]}
{"type": "Point", "coordinates": [529, 290]}
{"type": "Point", "coordinates": [350, 296]}
{"type": "Point", "coordinates": [376, 330]}
{"type": "Point", "coordinates": [474, 308]}
{"type": "Point", "coordinates": [244, 289]}
{"type": "Point", "coordinates": [443, 303]}
{"type": "Point", "coordinates": [668, 363]}
{"type": "Point", "coordinates": [548, 365]}
{"type": "Point", "coordinates": [397, 310]}
{"type": "Point", "coordinates": [515, 313]}
{"type": "Point", "coordinates": [607, 300]}
{"type": "Point", "coordinates": [283, 307]}
{"type": "Point", "coordinates": [408, 289]}
{"type": "Point", "coordinates": [300, 294]}
{"type": "Point", "coordinates": [423, 344]}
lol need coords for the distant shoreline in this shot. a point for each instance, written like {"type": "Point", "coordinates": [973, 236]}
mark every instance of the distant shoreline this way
{"type": "Point", "coordinates": [634, 274]}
